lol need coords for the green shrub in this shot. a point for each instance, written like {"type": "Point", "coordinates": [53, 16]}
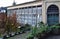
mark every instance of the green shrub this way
{"type": "Point", "coordinates": [55, 29]}
{"type": "Point", "coordinates": [58, 24]}
{"type": "Point", "coordinates": [42, 29]}
{"type": "Point", "coordinates": [0, 34]}
{"type": "Point", "coordinates": [40, 24]}
{"type": "Point", "coordinates": [30, 36]}
{"type": "Point", "coordinates": [27, 27]}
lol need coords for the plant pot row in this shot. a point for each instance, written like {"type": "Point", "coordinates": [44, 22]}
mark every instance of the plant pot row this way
{"type": "Point", "coordinates": [11, 35]}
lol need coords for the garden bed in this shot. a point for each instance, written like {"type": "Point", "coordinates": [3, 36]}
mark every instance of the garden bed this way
{"type": "Point", "coordinates": [43, 31]}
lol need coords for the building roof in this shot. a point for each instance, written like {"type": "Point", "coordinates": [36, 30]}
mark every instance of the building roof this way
{"type": "Point", "coordinates": [23, 3]}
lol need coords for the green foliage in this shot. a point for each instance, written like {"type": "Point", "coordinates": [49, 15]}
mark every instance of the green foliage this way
{"type": "Point", "coordinates": [0, 35]}
{"type": "Point", "coordinates": [55, 27]}
{"type": "Point", "coordinates": [40, 29]}
{"type": "Point", "coordinates": [27, 24]}
{"type": "Point", "coordinates": [34, 31]}
{"type": "Point", "coordinates": [58, 24]}
{"type": "Point", "coordinates": [27, 27]}
{"type": "Point", "coordinates": [40, 24]}
{"type": "Point", "coordinates": [30, 36]}
{"type": "Point", "coordinates": [43, 29]}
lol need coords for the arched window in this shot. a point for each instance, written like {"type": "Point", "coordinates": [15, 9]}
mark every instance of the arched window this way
{"type": "Point", "coordinates": [52, 15]}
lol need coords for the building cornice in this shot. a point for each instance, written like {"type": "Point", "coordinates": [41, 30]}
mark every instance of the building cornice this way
{"type": "Point", "coordinates": [22, 3]}
{"type": "Point", "coordinates": [26, 5]}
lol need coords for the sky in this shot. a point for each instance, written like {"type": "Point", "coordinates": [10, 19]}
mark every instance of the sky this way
{"type": "Point", "coordinates": [4, 3]}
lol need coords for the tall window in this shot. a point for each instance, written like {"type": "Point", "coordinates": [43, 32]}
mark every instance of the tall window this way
{"type": "Point", "coordinates": [52, 15]}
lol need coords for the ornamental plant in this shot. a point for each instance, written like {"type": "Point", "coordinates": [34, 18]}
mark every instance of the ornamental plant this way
{"type": "Point", "coordinates": [11, 24]}
{"type": "Point", "coordinates": [40, 31]}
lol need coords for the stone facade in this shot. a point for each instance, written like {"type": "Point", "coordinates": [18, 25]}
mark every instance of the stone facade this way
{"type": "Point", "coordinates": [45, 4]}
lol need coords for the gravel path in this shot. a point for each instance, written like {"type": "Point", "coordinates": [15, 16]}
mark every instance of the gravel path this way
{"type": "Point", "coordinates": [24, 36]}
{"type": "Point", "coordinates": [20, 36]}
